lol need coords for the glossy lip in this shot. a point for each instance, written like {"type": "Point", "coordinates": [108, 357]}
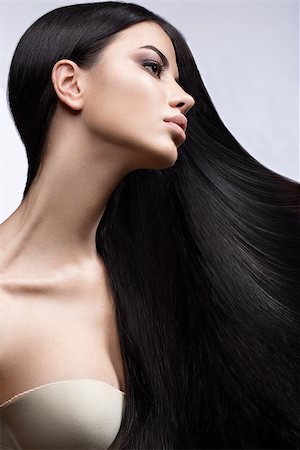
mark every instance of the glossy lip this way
{"type": "Point", "coordinates": [178, 129]}
{"type": "Point", "coordinates": [180, 119]}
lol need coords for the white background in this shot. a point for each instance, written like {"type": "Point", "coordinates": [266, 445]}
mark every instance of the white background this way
{"type": "Point", "coordinates": [247, 53]}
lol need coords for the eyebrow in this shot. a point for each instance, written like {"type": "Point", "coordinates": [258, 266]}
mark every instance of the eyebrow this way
{"type": "Point", "coordinates": [163, 57]}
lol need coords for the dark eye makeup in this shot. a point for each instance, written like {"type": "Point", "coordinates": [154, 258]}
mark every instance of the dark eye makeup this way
{"type": "Point", "coordinates": [152, 63]}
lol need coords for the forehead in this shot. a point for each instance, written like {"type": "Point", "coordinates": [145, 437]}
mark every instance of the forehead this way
{"type": "Point", "coordinates": [138, 35]}
{"type": "Point", "coordinates": [145, 31]}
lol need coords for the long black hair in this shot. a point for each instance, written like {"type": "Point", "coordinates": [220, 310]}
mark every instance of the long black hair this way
{"type": "Point", "coordinates": [202, 258]}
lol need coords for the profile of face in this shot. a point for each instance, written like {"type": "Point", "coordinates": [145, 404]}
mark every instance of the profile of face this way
{"type": "Point", "coordinates": [125, 98]}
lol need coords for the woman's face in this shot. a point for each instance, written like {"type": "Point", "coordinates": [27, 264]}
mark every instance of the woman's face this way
{"type": "Point", "coordinates": [126, 102]}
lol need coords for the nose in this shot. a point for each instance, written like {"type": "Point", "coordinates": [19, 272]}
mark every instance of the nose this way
{"type": "Point", "coordinates": [181, 99]}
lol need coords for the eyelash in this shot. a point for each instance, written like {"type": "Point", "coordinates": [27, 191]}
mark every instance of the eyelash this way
{"type": "Point", "coordinates": [155, 63]}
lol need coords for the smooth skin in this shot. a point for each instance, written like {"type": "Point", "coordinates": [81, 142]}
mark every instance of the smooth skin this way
{"type": "Point", "coordinates": [109, 121]}
{"type": "Point", "coordinates": [53, 285]}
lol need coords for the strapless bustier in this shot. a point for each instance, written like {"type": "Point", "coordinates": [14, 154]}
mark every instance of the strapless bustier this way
{"type": "Point", "coordinates": [80, 414]}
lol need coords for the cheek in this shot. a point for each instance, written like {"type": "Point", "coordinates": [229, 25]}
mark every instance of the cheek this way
{"type": "Point", "coordinates": [124, 106]}
{"type": "Point", "coordinates": [134, 98]}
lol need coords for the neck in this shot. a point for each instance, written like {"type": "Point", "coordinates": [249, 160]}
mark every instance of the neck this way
{"type": "Point", "coordinates": [54, 228]}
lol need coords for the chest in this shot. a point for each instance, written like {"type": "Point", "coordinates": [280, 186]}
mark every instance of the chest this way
{"type": "Point", "coordinates": [50, 339]}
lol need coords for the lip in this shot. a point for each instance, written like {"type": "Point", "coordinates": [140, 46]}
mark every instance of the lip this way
{"type": "Point", "coordinates": [180, 119]}
{"type": "Point", "coordinates": [177, 128]}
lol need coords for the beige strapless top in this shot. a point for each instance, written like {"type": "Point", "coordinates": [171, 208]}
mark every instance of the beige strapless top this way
{"type": "Point", "coordinates": [77, 414]}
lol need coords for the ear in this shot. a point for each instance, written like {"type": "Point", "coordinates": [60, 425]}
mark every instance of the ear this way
{"type": "Point", "coordinates": [67, 83]}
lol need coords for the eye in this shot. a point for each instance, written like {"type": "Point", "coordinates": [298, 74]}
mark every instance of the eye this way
{"type": "Point", "coordinates": [155, 64]}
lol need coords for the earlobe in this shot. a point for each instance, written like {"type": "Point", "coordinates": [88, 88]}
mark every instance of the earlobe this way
{"type": "Point", "coordinates": [66, 83]}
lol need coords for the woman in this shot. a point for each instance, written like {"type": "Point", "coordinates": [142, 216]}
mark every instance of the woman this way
{"type": "Point", "coordinates": [148, 278]}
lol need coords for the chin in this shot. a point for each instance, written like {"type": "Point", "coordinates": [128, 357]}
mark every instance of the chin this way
{"type": "Point", "coordinates": [165, 157]}
{"type": "Point", "coordinates": [162, 156]}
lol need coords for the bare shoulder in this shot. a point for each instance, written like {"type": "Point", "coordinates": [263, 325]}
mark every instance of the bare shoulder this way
{"type": "Point", "coordinates": [6, 332]}
{"type": "Point", "coordinates": [5, 306]}
{"type": "Point", "coordinates": [9, 312]}
{"type": "Point", "coordinates": [11, 324]}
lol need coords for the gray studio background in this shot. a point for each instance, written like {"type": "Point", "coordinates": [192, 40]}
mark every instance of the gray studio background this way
{"type": "Point", "coordinates": [247, 53]}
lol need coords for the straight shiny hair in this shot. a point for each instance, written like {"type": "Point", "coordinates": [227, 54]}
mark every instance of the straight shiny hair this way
{"type": "Point", "coordinates": [202, 258]}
